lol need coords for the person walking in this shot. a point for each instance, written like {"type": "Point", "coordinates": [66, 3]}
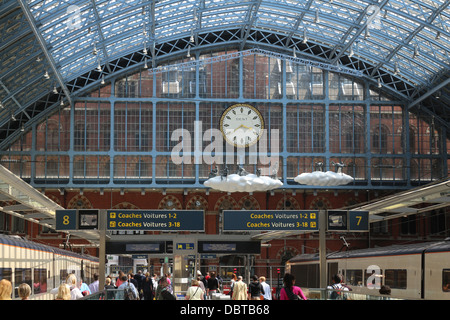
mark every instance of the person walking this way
{"type": "Point", "coordinates": [213, 285]}
{"type": "Point", "coordinates": [290, 291]}
{"type": "Point", "coordinates": [255, 289]}
{"type": "Point", "coordinates": [94, 285]}
{"type": "Point", "coordinates": [239, 290]}
{"type": "Point", "coordinates": [147, 287]}
{"type": "Point", "coordinates": [267, 291]}
{"type": "Point", "coordinates": [194, 292]}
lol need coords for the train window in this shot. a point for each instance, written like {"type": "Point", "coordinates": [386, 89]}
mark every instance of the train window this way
{"type": "Point", "coordinates": [63, 275]}
{"type": "Point", "coordinates": [6, 273]}
{"type": "Point", "coordinates": [354, 277]}
{"type": "Point", "coordinates": [21, 275]}
{"type": "Point", "coordinates": [40, 281]}
{"type": "Point", "coordinates": [396, 278]}
{"type": "Point", "coordinates": [372, 277]}
{"type": "Point", "coordinates": [446, 280]}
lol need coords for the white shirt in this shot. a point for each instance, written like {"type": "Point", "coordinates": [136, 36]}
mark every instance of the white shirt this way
{"type": "Point", "coordinates": [195, 293]}
{"type": "Point", "coordinates": [267, 291]}
{"type": "Point", "coordinates": [75, 293]}
{"type": "Point", "coordinates": [94, 286]}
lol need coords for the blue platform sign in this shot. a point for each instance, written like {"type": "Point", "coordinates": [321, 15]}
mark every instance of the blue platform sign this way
{"type": "Point", "coordinates": [270, 220]}
{"type": "Point", "coordinates": [156, 220]}
{"type": "Point", "coordinates": [358, 220]}
{"type": "Point", "coordinates": [66, 219]}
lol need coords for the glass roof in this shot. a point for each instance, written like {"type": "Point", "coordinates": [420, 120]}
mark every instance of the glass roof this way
{"type": "Point", "coordinates": [404, 44]}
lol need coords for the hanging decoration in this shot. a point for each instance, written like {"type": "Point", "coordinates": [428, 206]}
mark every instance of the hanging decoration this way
{"type": "Point", "coordinates": [321, 178]}
{"type": "Point", "coordinates": [242, 181]}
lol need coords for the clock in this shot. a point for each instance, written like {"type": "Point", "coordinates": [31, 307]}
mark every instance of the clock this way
{"type": "Point", "coordinates": [241, 125]}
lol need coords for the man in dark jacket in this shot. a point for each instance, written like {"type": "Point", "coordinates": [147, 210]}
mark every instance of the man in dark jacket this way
{"type": "Point", "coordinates": [255, 289]}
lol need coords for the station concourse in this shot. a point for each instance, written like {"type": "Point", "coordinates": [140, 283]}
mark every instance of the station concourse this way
{"type": "Point", "coordinates": [220, 136]}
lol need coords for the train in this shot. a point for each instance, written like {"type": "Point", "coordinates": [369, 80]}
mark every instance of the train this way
{"type": "Point", "coordinates": [41, 266]}
{"type": "Point", "coordinates": [419, 271]}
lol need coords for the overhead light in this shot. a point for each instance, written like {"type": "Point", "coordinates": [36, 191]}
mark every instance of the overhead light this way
{"type": "Point", "coordinates": [366, 33]}
{"type": "Point", "coordinates": [62, 102]}
{"type": "Point", "coordinates": [438, 94]}
{"type": "Point", "coordinates": [316, 18]}
{"type": "Point", "coordinates": [46, 76]}
{"type": "Point", "coordinates": [294, 53]}
{"type": "Point", "coordinates": [12, 117]}
{"type": "Point", "coordinates": [189, 52]}
{"type": "Point", "coordinates": [102, 191]}
{"type": "Point", "coordinates": [396, 69]}
{"type": "Point", "coordinates": [99, 67]}
{"type": "Point", "coordinates": [103, 79]}
{"type": "Point", "coordinates": [55, 91]}
{"type": "Point", "coordinates": [192, 37]}
{"type": "Point", "coordinates": [351, 52]}
{"type": "Point", "coordinates": [122, 191]}
{"type": "Point", "coordinates": [305, 37]}
{"type": "Point", "coordinates": [416, 51]}
{"type": "Point", "coordinates": [145, 64]}
{"type": "Point", "coordinates": [438, 35]}
{"type": "Point", "coordinates": [145, 48]}
{"type": "Point", "coordinates": [379, 83]}
{"type": "Point", "coordinates": [22, 129]}
{"type": "Point", "coordinates": [94, 51]}
{"type": "Point", "coordinates": [142, 192]}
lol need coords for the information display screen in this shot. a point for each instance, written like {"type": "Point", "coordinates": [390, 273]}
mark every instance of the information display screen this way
{"type": "Point", "coordinates": [268, 220]}
{"type": "Point", "coordinates": [88, 219]}
{"type": "Point", "coordinates": [156, 220]}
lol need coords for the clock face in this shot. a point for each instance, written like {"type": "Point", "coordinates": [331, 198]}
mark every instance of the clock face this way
{"type": "Point", "coordinates": [242, 125]}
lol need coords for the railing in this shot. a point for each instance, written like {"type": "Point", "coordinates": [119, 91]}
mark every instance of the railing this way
{"type": "Point", "coordinates": [326, 294]}
{"type": "Point", "coordinates": [311, 294]}
{"type": "Point", "coordinates": [110, 294]}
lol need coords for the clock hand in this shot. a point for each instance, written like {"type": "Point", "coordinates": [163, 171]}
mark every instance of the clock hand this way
{"type": "Point", "coordinates": [243, 126]}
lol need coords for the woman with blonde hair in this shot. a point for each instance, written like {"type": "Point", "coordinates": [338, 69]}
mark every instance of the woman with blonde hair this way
{"type": "Point", "coordinates": [63, 292]}
{"type": "Point", "coordinates": [194, 292]}
{"type": "Point", "coordinates": [5, 289]}
{"type": "Point", "coordinates": [24, 291]}
{"type": "Point", "coordinates": [75, 292]}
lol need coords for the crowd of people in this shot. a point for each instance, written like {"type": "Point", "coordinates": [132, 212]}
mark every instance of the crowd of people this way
{"type": "Point", "coordinates": [147, 286]}
{"type": "Point", "coordinates": [257, 289]}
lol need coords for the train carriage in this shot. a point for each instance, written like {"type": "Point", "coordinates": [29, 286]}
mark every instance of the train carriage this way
{"type": "Point", "coordinates": [414, 271]}
{"type": "Point", "coordinates": [42, 267]}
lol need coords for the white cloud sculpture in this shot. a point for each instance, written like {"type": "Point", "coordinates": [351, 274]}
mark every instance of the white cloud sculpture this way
{"type": "Point", "coordinates": [246, 183]}
{"type": "Point", "coordinates": [320, 178]}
